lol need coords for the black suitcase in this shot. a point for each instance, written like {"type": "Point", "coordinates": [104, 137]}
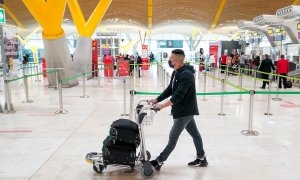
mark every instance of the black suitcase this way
{"type": "Point", "coordinates": [289, 84]}
{"type": "Point", "coordinates": [108, 143]}
{"type": "Point", "coordinates": [125, 131]}
{"type": "Point", "coordinates": [119, 156]}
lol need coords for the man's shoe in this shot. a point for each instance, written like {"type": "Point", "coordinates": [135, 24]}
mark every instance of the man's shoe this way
{"type": "Point", "coordinates": [262, 88]}
{"type": "Point", "coordinates": [201, 162]}
{"type": "Point", "coordinates": [157, 165]}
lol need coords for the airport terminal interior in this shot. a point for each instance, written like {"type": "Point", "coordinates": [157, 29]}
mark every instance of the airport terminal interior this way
{"type": "Point", "coordinates": [69, 69]}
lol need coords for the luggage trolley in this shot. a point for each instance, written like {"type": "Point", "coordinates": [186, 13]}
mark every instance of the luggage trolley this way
{"type": "Point", "coordinates": [144, 114]}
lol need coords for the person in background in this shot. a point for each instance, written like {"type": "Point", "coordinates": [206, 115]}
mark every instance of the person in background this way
{"type": "Point", "coordinates": [151, 57]}
{"type": "Point", "coordinates": [282, 69]}
{"type": "Point", "coordinates": [138, 62]}
{"type": "Point", "coordinates": [243, 60]}
{"type": "Point", "coordinates": [223, 62]}
{"type": "Point", "coordinates": [256, 63]}
{"type": "Point", "coordinates": [184, 106]}
{"type": "Point", "coordinates": [212, 61]}
{"type": "Point", "coordinates": [266, 66]}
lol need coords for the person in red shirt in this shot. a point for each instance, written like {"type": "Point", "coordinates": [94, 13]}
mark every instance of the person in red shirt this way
{"type": "Point", "coordinates": [223, 62]}
{"type": "Point", "coordinates": [283, 69]}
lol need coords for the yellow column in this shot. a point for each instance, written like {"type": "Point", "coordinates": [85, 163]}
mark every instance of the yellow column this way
{"type": "Point", "coordinates": [296, 2]}
{"type": "Point", "coordinates": [150, 10]}
{"type": "Point", "coordinates": [218, 14]}
{"type": "Point", "coordinates": [87, 28]}
{"type": "Point", "coordinates": [49, 14]}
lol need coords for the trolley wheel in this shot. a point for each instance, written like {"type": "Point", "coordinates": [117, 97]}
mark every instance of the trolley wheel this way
{"type": "Point", "coordinates": [147, 170]}
{"type": "Point", "coordinates": [98, 169]}
{"type": "Point", "coordinates": [148, 156]}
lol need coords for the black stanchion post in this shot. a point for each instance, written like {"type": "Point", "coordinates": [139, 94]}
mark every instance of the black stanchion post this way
{"type": "Point", "coordinates": [250, 131]}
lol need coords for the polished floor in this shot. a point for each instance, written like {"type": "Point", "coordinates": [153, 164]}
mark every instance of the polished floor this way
{"type": "Point", "coordinates": [35, 143]}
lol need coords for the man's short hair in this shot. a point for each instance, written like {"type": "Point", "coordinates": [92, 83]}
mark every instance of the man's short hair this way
{"type": "Point", "coordinates": [178, 52]}
{"type": "Point", "coordinates": [266, 56]}
{"type": "Point", "coordinates": [282, 56]}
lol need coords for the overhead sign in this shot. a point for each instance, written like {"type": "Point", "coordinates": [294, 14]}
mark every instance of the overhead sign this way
{"type": "Point", "coordinates": [170, 43]}
{"type": "Point", "coordinates": [2, 16]}
{"type": "Point", "coordinates": [270, 31]}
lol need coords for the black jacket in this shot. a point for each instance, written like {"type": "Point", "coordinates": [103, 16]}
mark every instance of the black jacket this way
{"type": "Point", "coordinates": [183, 93]}
{"type": "Point", "coordinates": [266, 65]}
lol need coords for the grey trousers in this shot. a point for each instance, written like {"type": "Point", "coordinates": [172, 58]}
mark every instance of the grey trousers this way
{"type": "Point", "coordinates": [179, 125]}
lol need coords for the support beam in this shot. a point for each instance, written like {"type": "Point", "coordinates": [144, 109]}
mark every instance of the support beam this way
{"type": "Point", "coordinates": [296, 2]}
{"type": "Point", "coordinates": [87, 28]}
{"type": "Point", "coordinates": [49, 14]}
{"type": "Point", "coordinates": [218, 14]}
{"type": "Point", "coordinates": [150, 13]}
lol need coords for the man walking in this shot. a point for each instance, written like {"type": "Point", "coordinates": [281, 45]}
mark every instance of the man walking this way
{"type": "Point", "coordinates": [184, 107]}
{"type": "Point", "coordinates": [266, 66]}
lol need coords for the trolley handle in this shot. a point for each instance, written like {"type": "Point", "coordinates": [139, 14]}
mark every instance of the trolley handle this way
{"type": "Point", "coordinates": [155, 109]}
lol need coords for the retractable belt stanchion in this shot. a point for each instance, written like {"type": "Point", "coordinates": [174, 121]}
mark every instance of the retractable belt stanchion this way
{"type": "Point", "coordinates": [25, 82]}
{"type": "Point", "coordinates": [8, 106]}
{"type": "Point", "coordinates": [124, 98]}
{"type": "Point", "coordinates": [250, 132]}
{"type": "Point", "coordinates": [98, 78]}
{"type": "Point", "coordinates": [167, 78]}
{"type": "Point", "coordinates": [254, 84]}
{"type": "Point", "coordinates": [1, 109]}
{"type": "Point", "coordinates": [131, 108]}
{"type": "Point", "coordinates": [163, 79]}
{"type": "Point", "coordinates": [38, 76]}
{"type": "Point", "coordinates": [157, 70]}
{"type": "Point", "coordinates": [277, 98]}
{"type": "Point", "coordinates": [240, 82]}
{"type": "Point", "coordinates": [204, 87]}
{"type": "Point", "coordinates": [214, 74]}
{"type": "Point", "coordinates": [269, 100]}
{"type": "Point", "coordinates": [226, 76]}
{"type": "Point", "coordinates": [108, 68]}
{"type": "Point", "coordinates": [26, 90]}
{"type": "Point", "coordinates": [222, 98]}
{"type": "Point", "coordinates": [61, 109]}
{"type": "Point", "coordinates": [84, 83]}
{"type": "Point", "coordinates": [56, 75]}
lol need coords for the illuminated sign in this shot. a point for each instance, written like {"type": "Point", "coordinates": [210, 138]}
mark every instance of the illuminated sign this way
{"type": "Point", "coordinates": [270, 31]}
